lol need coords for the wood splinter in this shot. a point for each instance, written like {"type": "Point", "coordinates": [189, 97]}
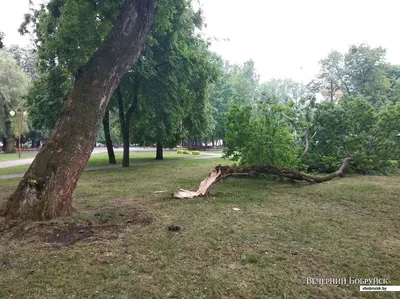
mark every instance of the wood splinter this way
{"type": "Point", "coordinates": [222, 172]}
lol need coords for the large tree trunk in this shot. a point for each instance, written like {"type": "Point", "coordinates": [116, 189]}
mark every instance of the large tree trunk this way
{"type": "Point", "coordinates": [223, 172]}
{"type": "Point", "coordinates": [159, 153]}
{"type": "Point", "coordinates": [107, 135]}
{"type": "Point", "coordinates": [46, 190]}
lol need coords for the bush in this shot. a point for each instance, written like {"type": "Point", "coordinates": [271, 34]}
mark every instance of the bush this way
{"type": "Point", "coordinates": [184, 152]}
{"type": "Point", "coordinates": [25, 146]}
{"type": "Point", "coordinates": [195, 153]}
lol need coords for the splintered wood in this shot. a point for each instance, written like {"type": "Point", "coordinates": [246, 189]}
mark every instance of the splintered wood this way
{"type": "Point", "coordinates": [203, 188]}
{"type": "Point", "coordinates": [223, 172]}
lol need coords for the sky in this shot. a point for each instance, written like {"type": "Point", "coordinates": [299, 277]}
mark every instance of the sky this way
{"type": "Point", "coordinates": [285, 38]}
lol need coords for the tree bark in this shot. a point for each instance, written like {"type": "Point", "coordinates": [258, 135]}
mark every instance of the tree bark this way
{"type": "Point", "coordinates": [9, 144]}
{"type": "Point", "coordinates": [46, 190]}
{"type": "Point", "coordinates": [305, 152]}
{"type": "Point", "coordinates": [223, 172]}
{"type": "Point", "coordinates": [125, 118]}
{"type": "Point", "coordinates": [159, 153]}
{"type": "Point", "coordinates": [107, 135]}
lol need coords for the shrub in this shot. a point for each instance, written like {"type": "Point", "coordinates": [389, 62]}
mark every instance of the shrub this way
{"type": "Point", "coordinates": [195, 153]}
{"type": "Point", "coordinates": [184, 152]}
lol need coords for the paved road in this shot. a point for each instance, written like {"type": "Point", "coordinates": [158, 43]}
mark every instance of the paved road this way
{"type": "Point", "coordinates": [96, 150]}
{"type": "Point", "coordinates": [203, 156]}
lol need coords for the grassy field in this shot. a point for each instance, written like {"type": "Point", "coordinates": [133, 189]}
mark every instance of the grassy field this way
{"type": "Point", "coordinates": [117, 245]}
{"type": "Point", "coordinates": [101, 159]}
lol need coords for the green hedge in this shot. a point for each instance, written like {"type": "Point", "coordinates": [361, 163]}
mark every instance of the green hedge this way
{"type": "Point", "coordinates": [186, 152]}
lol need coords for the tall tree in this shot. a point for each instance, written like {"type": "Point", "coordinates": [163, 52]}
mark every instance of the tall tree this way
{"type": "Point", "coordinates": [361, 71]}
{"type": "Point", "coordinates": [14, 85]}
{"type": "Point", "coordinates": [46, 189]}
{"type": "Point", "coordinates": [26, 59]}
{"type": "Point", "coordinates": [107, 136]}
{"type": "Point", "coordinates": [174, 72]}
{"type": "Point", "coordinates": [236, 85]}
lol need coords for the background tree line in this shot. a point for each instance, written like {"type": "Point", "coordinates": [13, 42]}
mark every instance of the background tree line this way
{"type": "Point", "coordinates": [177, 80]}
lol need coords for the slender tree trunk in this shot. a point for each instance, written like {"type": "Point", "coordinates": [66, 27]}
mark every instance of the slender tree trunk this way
{"type": "Point", "coordinates": [46, 190]}
{"type": "Point", "coordinates": [212, 140]}
{"type": "Point", "coordinates": [125, 119]}
{"type": "Point", "coordinates": [124, 123]}
{"type": "Point", "coordinates": [159, 153]}
{"type": "Point", "coordinates": [9, 144]}
{"type": "Point", "coordinates": [36, 143]}
{"type": "Point", "coordinates": [107, 135]}
{"type": "Point", "coordinates": [4, 141]}
{"type": "Point", "coordinates": [125, 158]}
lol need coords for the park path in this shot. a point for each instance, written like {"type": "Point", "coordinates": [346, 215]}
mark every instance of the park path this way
{"type": "Point", "coordinates": [112, 166]}
{"type": "Point", "coordinates": [13, 163]}
{"type": "Point", "coordinates": [96, 150]}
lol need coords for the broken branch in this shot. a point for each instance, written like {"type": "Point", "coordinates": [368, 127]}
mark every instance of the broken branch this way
{"type": "Point", "coordinates": [222, 172]}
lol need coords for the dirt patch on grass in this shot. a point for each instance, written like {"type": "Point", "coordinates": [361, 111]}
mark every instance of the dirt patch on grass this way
{"type": "Point", "coordinates": [87, 228]}
{"type": "Point", "coordinates": [70, 235]}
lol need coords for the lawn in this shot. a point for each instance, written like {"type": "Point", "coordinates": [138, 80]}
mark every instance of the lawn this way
{"type": "Point", "coordinates": [101, 159]}
{"type": "Point", "coordinates": [117, 244]}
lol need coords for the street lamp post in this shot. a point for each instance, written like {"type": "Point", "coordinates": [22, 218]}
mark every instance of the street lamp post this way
{"type": "Point", "coordinates": [19, 120]}
{"type": "Point", "coordinates": [338, 94]}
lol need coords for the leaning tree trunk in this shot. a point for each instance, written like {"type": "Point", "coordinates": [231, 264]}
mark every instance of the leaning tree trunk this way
{"type": "Point", "coordinates": [107, 135]}
{"type": "Point", "coordinates": [159, 153]}
{"type": "Point", "coordinates": [46, 189]}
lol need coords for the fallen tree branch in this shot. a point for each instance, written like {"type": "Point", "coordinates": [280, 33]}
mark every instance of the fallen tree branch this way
{"type": "Point", "coordinates": [222, 172]}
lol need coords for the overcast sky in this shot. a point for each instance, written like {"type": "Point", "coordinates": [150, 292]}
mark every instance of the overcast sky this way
{"type": "Point", "coordinates": [286, 38]}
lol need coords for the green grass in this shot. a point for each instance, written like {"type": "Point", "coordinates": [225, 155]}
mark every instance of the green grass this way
{"type": "Point", "coordinates": [101, 159]}
{"type": "Point", "coordinates": [282, 234]}
{"type": "Point", "coordinates": [14, 156]}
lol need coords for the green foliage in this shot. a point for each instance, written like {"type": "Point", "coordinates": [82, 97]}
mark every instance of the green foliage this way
{"type": "Point", "coordinates": [183, 152]}
{"type": "Point", "coordinates": [259, 134]}
{"type": "Point", "coordinates": [68, 33]}
{"type": "Point", "coordinates": [14, 84]}
{"type": "Point", "coordinates": [361, 71]}
{"type": "Point", "coordinates": [174, 75]}
{"type": "Point", "coordinates": [353, 128]}
{"type": "Point", "coordinates": [186, 152]}
{"type": "Point", "coordinates": [25, 58]}
{"type": "Point", "coordinates": [237, 84]}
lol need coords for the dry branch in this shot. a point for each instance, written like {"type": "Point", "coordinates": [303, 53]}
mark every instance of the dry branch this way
{"type": "Point", "coordinates": [222, 172]}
